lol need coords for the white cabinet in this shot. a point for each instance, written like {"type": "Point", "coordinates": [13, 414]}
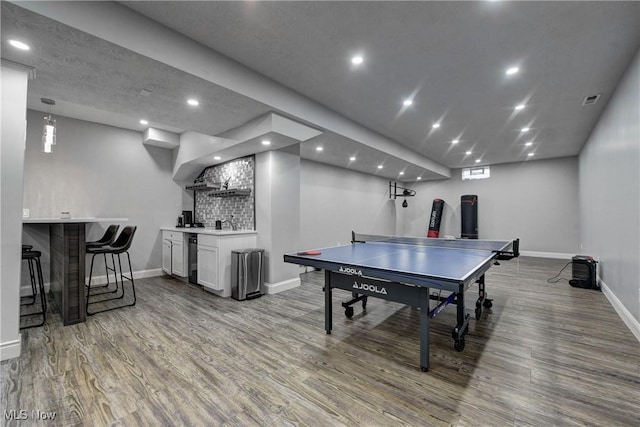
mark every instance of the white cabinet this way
{"type": "Point", "coordinates": [174, 254]}
{"type": "Point", "coordinates": [214, 259]}
{"type": "Point", "coordinates": [166, 256]}
{"type": "Point", "coordinates": [208, 267]}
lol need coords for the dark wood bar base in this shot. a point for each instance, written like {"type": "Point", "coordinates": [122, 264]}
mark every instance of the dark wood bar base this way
{"type": "Point", "coordinates": [67, 242]}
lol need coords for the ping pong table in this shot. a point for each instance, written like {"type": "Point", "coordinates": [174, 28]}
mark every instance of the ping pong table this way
{"type": "Point", "coordinates": [411, 271]}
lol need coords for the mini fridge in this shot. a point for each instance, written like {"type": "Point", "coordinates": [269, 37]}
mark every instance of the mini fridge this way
{"type": "Point", "coordinates": [247, 273]}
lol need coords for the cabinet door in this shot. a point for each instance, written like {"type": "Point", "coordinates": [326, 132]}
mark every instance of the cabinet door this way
{"type": "Point", "coordinates": [208, 267]}
{"type": "Point", "coordinates": [177, 258]}
{"type": "Point", "coordinates": [166, 256]}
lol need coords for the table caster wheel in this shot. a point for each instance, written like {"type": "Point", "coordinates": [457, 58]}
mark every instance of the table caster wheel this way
{"type": "Point", "coordinates": [348, 312]}
{"type": "Point", "coordinates": [424, 369]}
{"type": "Point", "coordinates": [478, 313]}
{"type": "Point", "coordinates": [488, 303]}
{"type": "Point", "coordinates": [459, 344]}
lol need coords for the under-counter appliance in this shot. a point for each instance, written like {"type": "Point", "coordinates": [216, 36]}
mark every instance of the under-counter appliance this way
{"type": "Point", "coordinates": [193, 259]}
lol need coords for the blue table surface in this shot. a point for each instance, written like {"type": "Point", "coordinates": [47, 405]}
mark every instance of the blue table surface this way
{"type": "Point", "coordinates": [446, 262]}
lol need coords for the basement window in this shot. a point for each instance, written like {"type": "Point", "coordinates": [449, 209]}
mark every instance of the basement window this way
{"type": "Point", "coordinates": [476, 173]}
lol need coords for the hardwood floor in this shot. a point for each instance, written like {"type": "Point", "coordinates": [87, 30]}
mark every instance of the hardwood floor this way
{"type": "Point", "coordinates": [545, 354]}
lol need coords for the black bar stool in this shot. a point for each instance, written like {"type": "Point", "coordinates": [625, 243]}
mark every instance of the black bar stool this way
{"type": "Point", "coordinates": [118, 247]}
{"type": "Point", "coordinates": [30, 298]}
{"type": "Point", "coordinates": [107, 239]}
{"type": "Point", "coordinates": [33, 260]}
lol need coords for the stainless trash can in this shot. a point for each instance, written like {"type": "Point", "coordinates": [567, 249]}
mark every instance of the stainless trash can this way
{"type": "Point", "coordinates": [247, 273]}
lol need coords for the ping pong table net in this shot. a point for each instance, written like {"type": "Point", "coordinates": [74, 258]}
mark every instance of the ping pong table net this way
{"type": "Point", "coordinates": [469, 244]}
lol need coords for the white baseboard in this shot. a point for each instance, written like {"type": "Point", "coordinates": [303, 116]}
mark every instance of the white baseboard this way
{"type": "Point", "coordinates": [625, 315]}
{"type": "Point", "coordinates": [10, 349]}
{"type": "Point", "coordinates": [274, 288]}
{"type": "Point", "coordinates": [556, 255]}
{"type": "Point", "coordinates": [101, 280]}
{"type": "Point", "coordinates": [141, 274]}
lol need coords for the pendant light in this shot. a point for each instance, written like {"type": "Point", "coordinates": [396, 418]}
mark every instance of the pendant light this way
{"type": "Point", "coordinates": [49, 128]}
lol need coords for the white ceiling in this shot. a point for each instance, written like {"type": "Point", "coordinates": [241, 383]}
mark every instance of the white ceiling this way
{"type": "Point", "coordinates": [450, 57]}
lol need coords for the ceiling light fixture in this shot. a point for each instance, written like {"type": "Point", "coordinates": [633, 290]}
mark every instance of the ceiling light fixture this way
{"type": "Point", "coordinates": [528, 144]}
{"type": "Point", "coordinates": [467, 153]}
{"type": "Point", "coordinates": [435, 125]}
{"type": "Point", "coordinates": [530, 154]}
{"type": "Point", "coordinates": [407, 102]}
{"type": "Point", "coordinates": [144, 122]}
{"type": "Point", "coordinates": [419, 178]}
{"type": "Point", "coordinates": [217, 158]}
{"type": "Point", "coordinates": [511, 71]}
{"type": "Point", "coordinates": [266, 142]}
{"type": "Point", "coordinates": [519, 107]}
{"type": "Point", "coordinates": [525, 130]}
{"type": "Point", "coordinates": [352, 159]}
{"type": "Point", "coordinates": [455, 141]}
{"type": "Point", "coordinates": [357, 60]}
{"type": "Point", "coordinates": [193, 102]}
{"type": "Point", "coordinates": [49, 128]}
{"type": "Point", "coordinates": [319, 148]}
{"type": "Point", "coordinates": [401, 173]}
{"type": "Point", "coordinates": [379, 166]}
{"type": "Point", "coordinates": [19, 45]}
{"type": "Point", "coordinates": [477, 160]}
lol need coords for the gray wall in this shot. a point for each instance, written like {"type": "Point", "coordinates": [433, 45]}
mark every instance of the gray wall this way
{"type": "Point", "coordinates": [536, 201]}
{"type": "Point", "coordinates": [336, 201]}
{"type": "Point", "coordinates": [100, 171]}
{"type": "Point", "coordinates": [610, 192]}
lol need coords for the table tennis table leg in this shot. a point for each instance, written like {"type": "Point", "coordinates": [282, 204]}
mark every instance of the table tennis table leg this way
{"type": "Point", "coordinates": [328, 314]}
{"type": "Point", "coordinates": [424, 329]}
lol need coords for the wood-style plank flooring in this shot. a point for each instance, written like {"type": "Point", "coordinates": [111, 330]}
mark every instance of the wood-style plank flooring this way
{"type": "Point", "coordinates": [545, 354]}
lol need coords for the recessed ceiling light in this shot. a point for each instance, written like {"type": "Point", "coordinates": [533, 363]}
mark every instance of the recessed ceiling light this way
{"type": "Point", "coordinates": [477, 160]}
{"type": "Point", "coordinates": [401, 173]}
{"type": "Point", "coordinates": [419, 178]}
{"type": "Point", "coordinates": [530, 154]}
{"type": "Point", "coordinates": [407, 102]}
{"type": "Point", "coordinates": [379, 166]}
{"type": "Point", "coordinates": [512, 70]}
{"type": "Point", "coordinates": [528, 144]}
{"type": "Point", "coordinates": [435, 125]}
{"type": "Point", "coordinates": [519, 107]}
{"type": "Point", "coordinates": [352, 159]}
{"type": "Point", "coordinates": [357, 60]}
{"type": "Point", "coordinates": [266, 142]}
{"type": "Point", "coordinates": [144, 122]}
{"type": "Point", "coordinates": [524, 130]}
{"type": "Point", "coordinates": [193, 102]}
{"type": "Point", "coordinates": [217, 158]}
{"type": "Point", "coordinates": [467, 153]}
{"type": "Point", "coordinates": [319, 148]}
{"type": "Point", "coordinates": [19, 45]}
{"type": "Point", "coordinates": [455, 141]}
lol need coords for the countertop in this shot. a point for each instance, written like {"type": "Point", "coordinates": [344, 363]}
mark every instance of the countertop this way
{"type": "Point", "coordinates": [70, 220]}
{"type": "Point", "coordinates": [211, 231]}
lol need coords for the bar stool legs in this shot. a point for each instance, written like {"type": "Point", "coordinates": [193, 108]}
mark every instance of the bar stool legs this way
{"type": "Point", "coordinates": [116, 249]}
{"type": "Point", "coordinates": [33, 261]}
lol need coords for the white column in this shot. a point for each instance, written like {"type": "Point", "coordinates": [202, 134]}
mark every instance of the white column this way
{"type": "Point", "coordinates": [14, 79]}
{"type": "Point", "coordinates": [278, 214]}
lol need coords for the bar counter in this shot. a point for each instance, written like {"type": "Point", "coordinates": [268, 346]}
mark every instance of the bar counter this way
{"type": "Point", "coordinates": [67, 263]}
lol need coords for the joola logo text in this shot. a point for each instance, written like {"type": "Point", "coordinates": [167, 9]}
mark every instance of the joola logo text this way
{"type": "Point", "coordinates": [352, 271]}
{"type": "Point", "coordinates": [370, 288]}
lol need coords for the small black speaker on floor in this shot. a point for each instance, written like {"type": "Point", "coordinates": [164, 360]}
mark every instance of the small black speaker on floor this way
{"type": "Point", "coordinates": [583, 272]}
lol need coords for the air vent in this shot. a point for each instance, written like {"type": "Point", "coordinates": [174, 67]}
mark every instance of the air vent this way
{"type": "Point", "coordinates": [591, 99]}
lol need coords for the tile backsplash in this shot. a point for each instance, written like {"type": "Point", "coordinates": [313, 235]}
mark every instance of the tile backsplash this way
{"type": "Point", "coordinates": [240, 175]}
